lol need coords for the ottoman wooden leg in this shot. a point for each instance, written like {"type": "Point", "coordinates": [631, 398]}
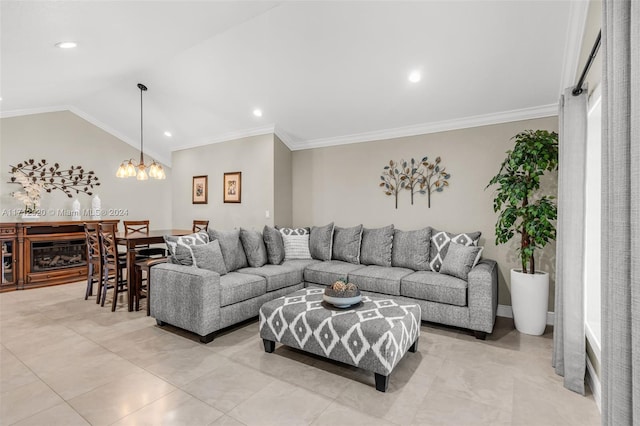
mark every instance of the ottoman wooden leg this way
{"type": "Point", "coordinates": [208, 338]}
{"type": "Point", "coordinates": [269, 345]}
{"type": "Point", "coordinates": [382, 382]}
{"type": "Point", "coordinates": [414, 347]}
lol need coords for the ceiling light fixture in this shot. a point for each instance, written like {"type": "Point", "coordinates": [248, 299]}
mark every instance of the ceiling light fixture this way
{"type": "Point", "coordinates": [128, 168]}
{"type": "Point", "coordinates": [257, 112]}
{"type": "Point", "coordinates": [67, 44]}
{"type": "Point", "coordinates": [168, 134]}
{"type": "Point", "coordinates": [415, 76]}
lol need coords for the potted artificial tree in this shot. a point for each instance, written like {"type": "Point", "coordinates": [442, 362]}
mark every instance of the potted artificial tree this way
{"type": "Point", "coordinates": [524, 211]}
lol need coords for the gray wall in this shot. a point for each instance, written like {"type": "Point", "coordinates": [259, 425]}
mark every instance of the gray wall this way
{"type": "Point", "coordinates": [340, 184]}
{"type": "Point", "coordinates": [253, 156]}
{"type": "Point", "coordinates": [64, 138]}
{"type": "Point", "coordinates": [283, 190]}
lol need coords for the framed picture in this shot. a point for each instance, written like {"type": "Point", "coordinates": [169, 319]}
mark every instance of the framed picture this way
{"type": "Point", "coordinates": [232, 188]}
{"type": "Point", "coordinates": [200, 190]}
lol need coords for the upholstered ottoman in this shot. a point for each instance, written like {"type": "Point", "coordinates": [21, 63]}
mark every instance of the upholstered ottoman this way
{"type": "Point", "coordinates": [373, 335]}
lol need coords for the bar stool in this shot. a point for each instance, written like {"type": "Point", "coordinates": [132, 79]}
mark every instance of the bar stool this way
{"type": "Point", "coordinates": [200, 225]}
{"type": "Point", "coordinates": [143, 291]}
{"type": "Point", "coordinates": [94, 259]}
{"type": "Point", "coordinates": [142, 226]}
{"type": "Point", "coordinates": [112, 266]}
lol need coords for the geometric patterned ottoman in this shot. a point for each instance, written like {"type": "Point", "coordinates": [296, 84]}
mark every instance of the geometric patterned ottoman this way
{"type": "Point", "coordinates": [373, 335]}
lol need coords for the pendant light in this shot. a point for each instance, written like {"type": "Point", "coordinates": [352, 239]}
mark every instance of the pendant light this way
{"type": "Point", "coordinates": [131, 168]}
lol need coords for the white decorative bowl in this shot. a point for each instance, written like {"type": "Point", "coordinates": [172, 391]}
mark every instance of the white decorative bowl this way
{"type": "Point", "coordinates": [342, 302]}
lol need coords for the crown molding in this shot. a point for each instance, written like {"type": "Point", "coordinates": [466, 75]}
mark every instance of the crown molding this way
{"type": "Point", "coordinates": [166, 160]}
{"type": "Point", "coordinates": [285, 138]}
{"type": "Point", "coordinates": [226, 137]}
{"type": "Point", "coordinates": [578, 11]}
{"type": "Point", "coordinates": [435, 127]}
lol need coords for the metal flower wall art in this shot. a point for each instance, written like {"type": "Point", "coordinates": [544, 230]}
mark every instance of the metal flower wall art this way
{"type": "Point", "coordinates": [417, 177]}
{"type": "Point", "coordinates": [73, 180]}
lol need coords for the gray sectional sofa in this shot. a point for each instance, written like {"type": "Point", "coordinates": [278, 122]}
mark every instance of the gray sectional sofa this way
{"type": "Point", "coordinates": [205, 299]}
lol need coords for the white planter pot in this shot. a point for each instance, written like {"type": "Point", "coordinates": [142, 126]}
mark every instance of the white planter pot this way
{"type": "Point", "coordinates": [529, 301]}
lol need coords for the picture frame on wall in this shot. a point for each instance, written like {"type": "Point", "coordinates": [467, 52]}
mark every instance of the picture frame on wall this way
{"type": "Point", "coordinates": [232, 187]}
{"type": "Point", "coordinates": [199, 190]}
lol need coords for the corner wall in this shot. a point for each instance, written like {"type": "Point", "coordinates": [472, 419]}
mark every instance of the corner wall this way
{"type": "Point", "coordinates": [283, 190]}
{"type": "Point", "coordinates": [341, 184]}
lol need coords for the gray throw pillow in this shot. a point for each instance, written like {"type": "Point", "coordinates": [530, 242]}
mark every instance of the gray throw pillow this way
{"type": "Point", "coordinates": [321, 242]}
{"type": "Point", "coordinates": [254, 247]}
{"type": "Point", "coordinates": [440, 241]}
{"type": "Point", "coordinates": [231, 247]}
{"type": "Point", "coordinates": [209, 256]}
{"type": "Point", "coordinates": [460, 260]}
{"type": "Point", "coordinates": [275, 245]}
{"type": "Point", "coordinates": [376, 246]}
{"type": "Point", "coordinates": [179, 247]}
{"type": "Point", "coordinates": [296, 243]}
{"type": "Point", "coordinates": [346, 244]}
{"type": "Point", "coordinates": [411, 249]}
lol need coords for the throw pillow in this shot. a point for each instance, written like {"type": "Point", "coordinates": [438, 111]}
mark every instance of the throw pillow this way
{"type": "Point", "coordinates": [179, 247]}
{"type": "Point", "coordinates": [254, 247]}
{"type": "Point", "coordinates": [231, 247]}
{"type": "Point", "coordinates": [411, 249]}
{"type": "Point", "coordinates": [275, 245]}
{"type": "Point", "coordinates": [460, 260]}
{"type": "Point", "coordinates": [209, 256]}
{"type": "Point", "coordinates": [376, 246]}
{"type": "Point", "coordinates": [296, 243]}
{"type": "Point", "coordinates": [346, 244]}
{"type": "Point", "coordinates": [321, 242]}
{"type": "Point", "coordinates": [440, 241]}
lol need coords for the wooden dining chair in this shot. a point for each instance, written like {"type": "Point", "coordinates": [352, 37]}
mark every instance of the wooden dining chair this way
{"type": "Point", "coordinates": [94, 259]}
{"type": "Point", "coordinates": [112, 266]}
{"type": "Point", "coordinates": [200, 225]}
{"type": "Point", "coordinates": [142, 226]}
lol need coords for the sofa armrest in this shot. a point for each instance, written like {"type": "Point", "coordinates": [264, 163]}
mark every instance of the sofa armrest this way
{"type": "Point", "coordinates": [185, 297]}
{"type": "Point", "coordinates": [483, 295]}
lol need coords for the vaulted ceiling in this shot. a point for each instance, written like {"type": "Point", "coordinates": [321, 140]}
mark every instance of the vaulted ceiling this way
{"type": "Point", "coordinates": [321, 72]}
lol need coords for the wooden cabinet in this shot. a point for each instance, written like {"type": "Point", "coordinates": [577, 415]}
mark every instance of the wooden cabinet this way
{"type": "Point", "coordinates": [38, 254]}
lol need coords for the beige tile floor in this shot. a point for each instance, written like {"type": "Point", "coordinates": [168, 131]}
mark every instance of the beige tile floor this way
{"type": "Point", "coordinates": [67, 361]}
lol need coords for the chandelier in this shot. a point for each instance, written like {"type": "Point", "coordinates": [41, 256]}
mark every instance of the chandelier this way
{"type": "Point", "coordinates": [130, 168]}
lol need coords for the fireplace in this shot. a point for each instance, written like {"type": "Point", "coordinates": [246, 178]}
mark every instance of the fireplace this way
{"type": "Point", "coordinates": [55, 255]}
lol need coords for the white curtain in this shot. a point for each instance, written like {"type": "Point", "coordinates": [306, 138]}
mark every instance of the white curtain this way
{"type": "Point", "coordinates": [569, 356]}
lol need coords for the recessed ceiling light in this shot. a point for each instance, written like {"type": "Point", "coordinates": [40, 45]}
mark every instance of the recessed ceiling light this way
{"type": "Point", "coordinates": [415, 76]}
{"type": "Point", "coordinates": [257, 112]}
{"type": "Point", "coordinates": [168, 134]}
{"type": "Point", "coordinates": [66, 44]}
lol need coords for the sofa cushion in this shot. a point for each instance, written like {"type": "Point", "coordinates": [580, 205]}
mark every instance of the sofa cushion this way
{"type": "Point", "coordinates": [379, 279]}
{"type": "Point", "coordinates": [209, 256]}
{"type": "Point", "coordinates": [278, 276]}
{"type": "Point", "coordinates": [296, 243]}
{"type": "Point", "coordinates": [254, 247]}
{"type": "Point", "coordinates": [411, 249]}
{"type": "Point", "coordinates": [460, 260]}
{"type": "Point", "coordinates": [179, 246]}
{"type": "Point", "coordinates": [328, 272]}
{"type": "Point", "coordinates": [440, 241]}
{"type": "Point", "coordinates": [232, 250]}
{"type": "Point", "coordinates": [321, 242]}
{"type": "Point", "coordinates": [275, 245]}
{"type": "Point", "coordinates": [376, 246]}
{"type": "Point", "coordinates": [236, 287]}
{"type": "Point", "coordinates": [346, 244]}
{"type": "Point", "coordinates": [434, 287]}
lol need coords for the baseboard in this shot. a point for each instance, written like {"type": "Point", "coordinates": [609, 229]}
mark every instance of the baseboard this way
{"type": "Point", "coordinates": [506, 312]}
{"type": "Point", "coordinates": [594, 383]}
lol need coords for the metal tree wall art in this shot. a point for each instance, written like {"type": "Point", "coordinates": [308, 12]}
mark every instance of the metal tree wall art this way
{"type": "Point", "coordinates": [417, 177]}
{"type": "Point", "coordinates": [70, 181]}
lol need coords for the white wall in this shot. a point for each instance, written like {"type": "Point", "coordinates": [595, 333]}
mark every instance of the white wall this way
{"type": "Point", "coordinates": [64, 138]}
{"type": "Point", "coordinates": [253, 156]}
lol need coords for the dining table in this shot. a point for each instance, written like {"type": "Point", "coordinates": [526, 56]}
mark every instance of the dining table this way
{"type": "Point", "coordinates": [133, 240]}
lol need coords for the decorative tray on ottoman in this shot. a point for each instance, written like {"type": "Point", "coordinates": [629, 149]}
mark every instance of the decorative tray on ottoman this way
{"type": "Point", "coordinates": [342, 295]}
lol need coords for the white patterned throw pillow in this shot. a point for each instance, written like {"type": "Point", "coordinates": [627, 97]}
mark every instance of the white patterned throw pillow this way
{"type": "Point", "coordinates": [440, 241]}
{"type": "Point", "coordinates": [296, 243]}
{"type": "Point", "coordinates": [180, 247]}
